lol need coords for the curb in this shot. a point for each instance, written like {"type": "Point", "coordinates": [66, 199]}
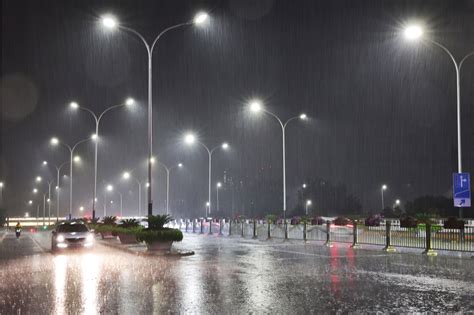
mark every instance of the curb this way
{"type": "Point", "coordinates": [145, 253]}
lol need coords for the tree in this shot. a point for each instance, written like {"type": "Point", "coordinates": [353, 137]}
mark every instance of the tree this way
{"type": "Point", "coordinates": [433, 205]}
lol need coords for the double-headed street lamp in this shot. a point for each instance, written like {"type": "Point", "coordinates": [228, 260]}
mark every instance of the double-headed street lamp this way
{"type": "Point", "coordinates": [50, 182]}
{"type": "Point", "coordinates": [55, 141]}
{"type": "Point", "coordinates": [58, 170]}
{"type": "Point", "coordinates": [257, 107]}
{"type": "Point", "coordinates": [168, 169]}
{"type": "Point", "coordinates": [127, 175]}
{"type": "Point", "coordinates": [111, 23]}
{"type": "Point", "coordinates": [128, 102]}
{"type": "Point", "coordinates": [191, 139]}
{"type": "Point", "coordinates": [1, 193]}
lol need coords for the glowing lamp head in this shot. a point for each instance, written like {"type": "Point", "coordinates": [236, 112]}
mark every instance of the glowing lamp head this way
{"type": "Point", "coordinates": [180, 164]}
{"type": "Point", "coordinates": [384, 187]}
{"type": "Point", "coordinates": [81, 209]}
{"type": "Point", "coordinates": [109, 21]}
{"type": "Point", "coordinates": [152, 160]}
{"type": "Point", "coordinates": [413, 32]}
{"type": "Point", "coordinates": [126, 175]}
{"type": "Point", "coordinates": [225, 146]}
{"type": "Point", "coordinates": [110, 187]}
{"type": "Point", "coordinates": [35, 190]}
{"type": "Point", "coordinates": [147, 185]}
{"type": "Point", "coordinates": [397, 202]}
{"type": "Point", "coordinates": [303, 117]}
{"type": "Point", "coordinates": [54, 141]}
{"type": "Point", "coordinates": [219, 185]}
{"type": "Point", "coordinates": [38, 179]}
{"type": "Point", "coordinates": [308, 202]}
{"type": "Point", "coordinates": [255, 106]}
{"type": "Point", "coordinates": [189, 138]}
{"type": "Point", "coordinates": [1, 184]}
{"type": "Point", "coordinates": [45, 162]}
{"type": "Point", "coordinates": [200, 18]}
{"type": "Point", "coordinates": [94, 137]}
{"type": "Point", "coordinates": [129, 101]}
{"type": "Point", "coordinates": [27, 214]}
{"type": "Point", "coordinates": [207, 204]}
{"type": "Point", "coordinates": [77, 159]}
{"type": "Point", "coordinates": [57, 187]}
{"type": "Point", "coordinates": [304, 185]}
{"type": "Point", "coordinates": [30, 202]}
{"type": "Point", "coordinates": [74, 105]}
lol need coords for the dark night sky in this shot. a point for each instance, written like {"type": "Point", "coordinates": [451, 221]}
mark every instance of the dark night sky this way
{"type": "Point", "coordinates": [383, 109]}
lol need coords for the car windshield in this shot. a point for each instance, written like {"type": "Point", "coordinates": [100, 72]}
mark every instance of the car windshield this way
{"type": "Point", "coordinates": [67, 228]}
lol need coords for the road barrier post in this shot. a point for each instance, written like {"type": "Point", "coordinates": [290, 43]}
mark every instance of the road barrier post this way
{"type": "Point", "coordinates": [242, 229]}
{"type": "Point", "coordinates": [428, 250]}
{"type": "Point", "coordinates": [355, 235]}
{"type": "Point", "coordinates": [304, 231]}
{"type": "Point", "coordinates": [202, 226]}
{"type": "Point", "coordinates": [285, 226]}
{"type": "Point", "coordinates": [268, 230]}
{"type": "Point", "coordinates": [328, 234]}
{"type": "Point", "coordinates": [210, 226]}
{"type": "Point", "coordinates": [388, 240]}
{"type": "Point", "coordinates": [254, 228]}
{"type": "Point", "coordinates": [194, 225]}
{"type": "Point", "coordinates": [230, 227]}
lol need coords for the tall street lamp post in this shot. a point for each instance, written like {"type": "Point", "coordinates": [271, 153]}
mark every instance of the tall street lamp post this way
{"type": "Point", "coordinates": [127, 175]}
{"type": "Point", "coordinates": [111, 23]}
{"type": "Point", "coordinates": [128, 102]}
{"type": "Point", "coordinates": [168, 170]}
{"type": "Point", "coordinates": [415, 32]}
{"type": "Point", "coordinates": [55, 141]}
{"type": "Point", "coordinates": [1, 193]}
{"type": "Point", "coordinates": [308, 203]}
{"type": "Point", "coordinates": [218, 186]}
{"type": "Point", "coordinates": [256, 107]}
{"type": "Point", "coordinates": [108, 188]}
{"type": "Point", "coordinates": [191, 139]}
{"type": "Point", "coordinates": [382, 189]}
{"type": "Point", "coordinates": [58, 170]}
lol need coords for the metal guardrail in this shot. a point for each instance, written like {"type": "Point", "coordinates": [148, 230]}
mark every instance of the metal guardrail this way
{"type": "Point", "coordinates": [389, 233]}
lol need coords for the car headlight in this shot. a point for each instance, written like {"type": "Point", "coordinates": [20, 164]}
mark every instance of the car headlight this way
{"type": "Point", "coordinates": [60, 238]}
{"type": "Point", "coordinates": [90, 238]}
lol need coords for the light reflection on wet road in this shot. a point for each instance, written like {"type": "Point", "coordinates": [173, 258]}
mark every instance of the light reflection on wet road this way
{"type": "Point", "coordinates": [228, 276]}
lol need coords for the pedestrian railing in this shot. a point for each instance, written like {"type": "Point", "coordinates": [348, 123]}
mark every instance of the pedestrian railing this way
{"type": "Point", "coordinates": [389, 233]}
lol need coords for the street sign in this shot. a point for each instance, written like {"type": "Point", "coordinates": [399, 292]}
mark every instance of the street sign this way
{"type": "Point", "coordinates": [461, 190]}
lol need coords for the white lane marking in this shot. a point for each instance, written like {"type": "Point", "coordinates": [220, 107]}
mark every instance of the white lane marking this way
{"type": "Point", "coordinates": [3, 236]}
{"type": "Point", "coordinates": [37, 244]}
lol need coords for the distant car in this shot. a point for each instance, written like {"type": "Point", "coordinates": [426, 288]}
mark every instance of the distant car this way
{"type": "Point", "coordinates": [71, 235]}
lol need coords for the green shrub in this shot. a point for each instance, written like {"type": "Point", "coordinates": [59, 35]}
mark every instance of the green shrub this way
{"type": "Point", "coordinates": [164, 235]}
{"type": "Point", "coordinates": [157, 222]}
{"type": "Point", "coordinates": [126, 230]}
{"type": "Point", "coordinates": [104, 228]}
{"type": "Point", "coordinates": [129, 223]}
{"type": "Point", "coordinates": [110, 220]}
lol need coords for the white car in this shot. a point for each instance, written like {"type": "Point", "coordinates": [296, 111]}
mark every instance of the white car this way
{"type": "Point", "coordinates": [71, 235]}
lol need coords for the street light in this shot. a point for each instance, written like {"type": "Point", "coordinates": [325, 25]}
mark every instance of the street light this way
{"type": "Point", "coordinates": [58, 170]}
{"type": "Point", "coordinates": [304, 186]}
{"type": "Point", "coordinates": [126, 176]}
{"type": "Point", "coordinates": [1, 193]}
{"type": "Point", "coordinates": [257, 107]}
{"type": "Point", "coordinates": [219, 185]}
{"type": "Point", "coordinates": [383, 188]}
{"type": "Point", "coordinates": [108, 188]}
{"type": "Point", "coordinates": [414, 32]}
{"type": "Point", "coordinates": [97, 117]}
{"type": "Point", "coordinates": [38, 179]}
{"type": "Point", "coordinates": [111, 22]}
{"type": "Point", "coordinates": [55, 141]}
{"type": "Point", "coordinates": [208, 205]}
{"type": "Point", "coordinates": [191, 139]}
{"type": "Point", "coordinates": [81, 208]}
{"type": "Point", "coordinates": [308, 203]}
{"type": "Point", "coordinates": [168, 169]}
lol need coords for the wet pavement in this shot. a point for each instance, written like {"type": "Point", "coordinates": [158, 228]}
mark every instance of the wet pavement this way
{"type": "Point", "coordinates": [228, 276]}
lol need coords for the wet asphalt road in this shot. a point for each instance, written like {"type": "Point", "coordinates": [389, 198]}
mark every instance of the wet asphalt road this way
{"type": "Point", "coordinates": [228, 276]}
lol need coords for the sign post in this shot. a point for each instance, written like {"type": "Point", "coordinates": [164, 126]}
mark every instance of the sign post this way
{"type": "Point", "coordinates": [461, 191]}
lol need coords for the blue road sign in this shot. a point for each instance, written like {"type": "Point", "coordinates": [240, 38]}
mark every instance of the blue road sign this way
{"type": "Point", "coordinates": [461, 190]}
